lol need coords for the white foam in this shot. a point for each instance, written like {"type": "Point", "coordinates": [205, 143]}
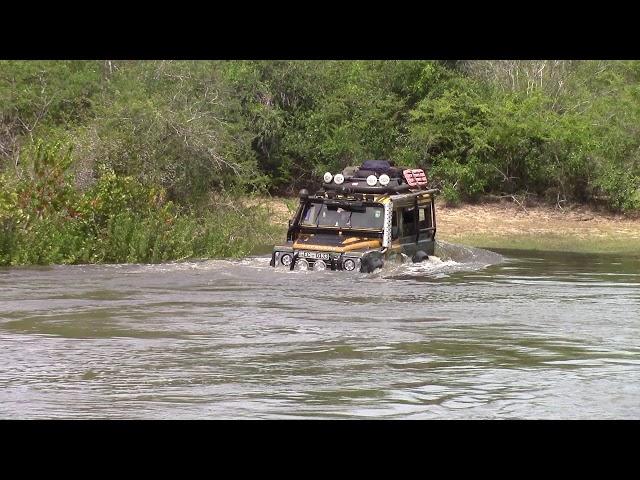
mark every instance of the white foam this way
{"type": "Point", "coordinates": [450, 258]}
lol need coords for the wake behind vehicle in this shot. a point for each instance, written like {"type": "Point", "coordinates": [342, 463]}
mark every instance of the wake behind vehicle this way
{"type": "Point", "coordinates": [360, 219]}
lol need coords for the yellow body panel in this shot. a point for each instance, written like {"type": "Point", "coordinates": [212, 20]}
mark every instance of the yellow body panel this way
{"type": "Point", "coordinates": [348, 245]}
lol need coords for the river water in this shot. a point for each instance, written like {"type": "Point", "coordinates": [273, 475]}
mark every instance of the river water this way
{"type": "Point", "coordinates": [470, 334]}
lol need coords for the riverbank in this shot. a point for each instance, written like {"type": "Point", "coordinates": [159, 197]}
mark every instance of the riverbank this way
{"type": "Point", "coordinates": [252, 225]}
{"type": "Point", "coordinates": [506, 224]}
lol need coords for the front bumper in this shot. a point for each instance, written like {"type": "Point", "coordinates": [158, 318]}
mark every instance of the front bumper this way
{"type": "Point", "coordinates": [332, 260]}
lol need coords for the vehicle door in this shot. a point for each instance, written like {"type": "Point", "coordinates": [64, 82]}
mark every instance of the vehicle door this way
{"type": "Point", "coordinates": [425, 226]}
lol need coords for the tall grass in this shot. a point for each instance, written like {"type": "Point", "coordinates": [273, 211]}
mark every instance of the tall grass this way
{"type": "Point", "coordinates": [128, 238]}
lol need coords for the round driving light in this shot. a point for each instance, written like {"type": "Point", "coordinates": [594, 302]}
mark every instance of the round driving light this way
{"type": "Point", "coordinates": [339, 178]}
{"type": "Point", "coordinates": [328, 177]}
{"type": "Point", "coordinates": [372, 180]}
{"type": "Point", "coordinates": [285, 259]}
{"type": "Point", "coordinates": [301, 264]}
{"type": "Point", "coordinates": [349, 264]}
{"type": "Point", "coordinates": [384, 179]}
{"type": "Point", "coordinates": [320, 265]}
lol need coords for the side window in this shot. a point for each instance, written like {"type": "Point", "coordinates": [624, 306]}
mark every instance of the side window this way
{"type": "Point", "coordinates": [394, 225]}
{"type": "Point", "coordinates": [408, 224]}
{"type": "Point", "coordinates": [424, 217]}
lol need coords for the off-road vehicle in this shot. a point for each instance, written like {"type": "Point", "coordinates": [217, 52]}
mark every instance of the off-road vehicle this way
{"type": "Point", "coordinates": [361, 218]}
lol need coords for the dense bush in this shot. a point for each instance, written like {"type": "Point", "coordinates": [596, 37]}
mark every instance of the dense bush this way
{"type": "Point", "coordinates": [44, 219]}
{"type": "Point", "coordinates": [558, 130]}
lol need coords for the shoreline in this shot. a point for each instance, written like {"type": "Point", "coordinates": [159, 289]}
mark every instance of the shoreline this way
{"type": "Point", "coordinates": [539, 227]}
{"type": "Point", "coordinates": [507, 225]}
{"type": "Point", "coordinates": [501, 225]}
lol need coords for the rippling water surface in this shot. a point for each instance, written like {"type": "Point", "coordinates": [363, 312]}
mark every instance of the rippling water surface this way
{"type": "Point", "coordinates": [468, 334]}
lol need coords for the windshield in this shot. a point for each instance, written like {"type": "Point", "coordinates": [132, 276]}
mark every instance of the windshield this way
{"type": "Point", "coordinates": [321, 215]}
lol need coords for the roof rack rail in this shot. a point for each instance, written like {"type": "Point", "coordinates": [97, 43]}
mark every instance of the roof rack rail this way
{"type": "Point", "coordinates": [358, 188]}
{"type": "Point", "coordinates": [376, 177]}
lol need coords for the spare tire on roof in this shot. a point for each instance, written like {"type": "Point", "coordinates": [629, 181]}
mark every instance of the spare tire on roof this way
{"type": "Point", "coordinates": [378, 166]}
{"type": "Point", "coordinates": [365, 173]}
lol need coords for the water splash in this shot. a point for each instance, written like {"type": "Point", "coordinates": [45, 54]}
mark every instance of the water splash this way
{"type": "Point", "coordinates": [448, 258]}
{"type": "Point", "coordinates": [466, 254]}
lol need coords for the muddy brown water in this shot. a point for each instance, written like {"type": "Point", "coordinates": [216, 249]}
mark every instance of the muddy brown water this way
{"type": "Point", "coordinates": [470, 334]}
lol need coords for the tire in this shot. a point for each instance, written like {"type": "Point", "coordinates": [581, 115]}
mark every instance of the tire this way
{"type": "Point", "coordinates": [369, 263]}
{"type": "Point", "coordinates": [420, 256]}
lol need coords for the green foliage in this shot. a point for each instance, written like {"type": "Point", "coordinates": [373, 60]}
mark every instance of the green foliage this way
{"type": "Point", "coordinates": [38, 93]}
{"type": "Point", "coordinates": [449, 133]}
{"type": "Point", "coordinates": [171, 124]}
{"type": "Point", "coordinates": [622, 189]}
{"type": "Point", "coordinates": [118, 219]}
{"type": "Point", "coordinates": [310, 116]}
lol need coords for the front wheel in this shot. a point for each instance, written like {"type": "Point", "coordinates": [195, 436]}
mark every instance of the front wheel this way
{"type": "Point", "coordinates": [371, 262]}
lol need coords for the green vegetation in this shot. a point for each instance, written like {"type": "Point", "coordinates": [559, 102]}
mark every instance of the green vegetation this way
{"type": "Point", "coordinates": [134, 161]}
{"type": "Point", "coordinates": [44, 219]}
